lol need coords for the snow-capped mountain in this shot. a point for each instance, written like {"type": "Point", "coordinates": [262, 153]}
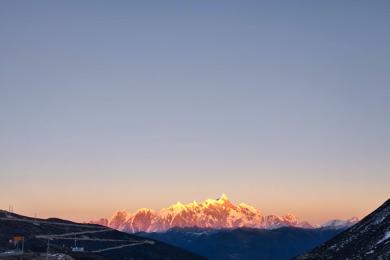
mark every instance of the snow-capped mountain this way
{"type": "Point", "coordinates": [339, 223]}
{"type": "Point", "coordinates": [211, 213]}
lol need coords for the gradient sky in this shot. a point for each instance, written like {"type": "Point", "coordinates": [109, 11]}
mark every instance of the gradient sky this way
{"type": "Point", "coordinates": [108, 105]}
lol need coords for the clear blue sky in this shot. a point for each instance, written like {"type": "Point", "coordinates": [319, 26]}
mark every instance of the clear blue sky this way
{"type": "Point", "coordinates": [125, 104]}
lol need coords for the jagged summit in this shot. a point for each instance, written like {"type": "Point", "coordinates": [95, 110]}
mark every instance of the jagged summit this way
{"type": "Point", "coordinates": [223, 197]}
{"type": "Point", "coordinates": [211, 213]}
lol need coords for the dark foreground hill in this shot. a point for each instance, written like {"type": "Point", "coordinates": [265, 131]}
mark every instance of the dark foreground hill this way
{"type": "Point", "coordinates": [368, 239]}
{"type": "Point", "coordinates": [245, 243]}
{"type": "Point", "coordinates": [98, 242]}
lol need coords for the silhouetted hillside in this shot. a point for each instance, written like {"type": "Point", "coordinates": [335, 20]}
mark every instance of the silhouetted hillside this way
{"type": "Point", "coordinates": [368, 239]}
{"type": "Point", "coordinates": [98, 242]}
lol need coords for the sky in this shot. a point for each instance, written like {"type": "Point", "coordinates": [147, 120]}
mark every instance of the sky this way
{"type": "Point", "coordinates": [108, 105]}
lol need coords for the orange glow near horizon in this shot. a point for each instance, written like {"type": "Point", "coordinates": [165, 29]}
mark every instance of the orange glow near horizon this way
{"type": "Point", "coordinates": [68, 198]}
{"type": "Point", "coordinates": [312, 212]}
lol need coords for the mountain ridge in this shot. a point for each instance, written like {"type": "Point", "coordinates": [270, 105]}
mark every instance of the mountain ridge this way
{"type": "Point", "coordinates": [212, 213]}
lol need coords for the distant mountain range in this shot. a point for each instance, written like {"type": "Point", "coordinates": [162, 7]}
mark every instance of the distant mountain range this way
{"type": "Point", "coordinates": [285, 238]}
{"type": "Point", "coordinates": [246, 243]}
{"type": "Point", "coordinates": [368, 239]}
{"type": "Point", "coordinates": [218, 213]}
{"type": "Point", "coordinates": [94, 242]}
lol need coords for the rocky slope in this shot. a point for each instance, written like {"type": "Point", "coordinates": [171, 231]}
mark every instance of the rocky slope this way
{"type": "Point", "coordinates": [368, 239]}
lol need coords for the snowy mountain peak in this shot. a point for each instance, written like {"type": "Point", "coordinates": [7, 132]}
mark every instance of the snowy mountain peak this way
{"type": "Point", "coordinates": [144, 211]}
{"type": "Point", "coordinates": [339, 223]}
{"type": "Point", "coordinates": [223, 197]}
{"type": "Point", "coordinates": [211, 213]}
{"type": "Point", "coordinates": [178, 206]}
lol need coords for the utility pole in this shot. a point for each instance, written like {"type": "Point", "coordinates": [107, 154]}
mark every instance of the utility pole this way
{"type": "Point", "coordinates": [47, 249]}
